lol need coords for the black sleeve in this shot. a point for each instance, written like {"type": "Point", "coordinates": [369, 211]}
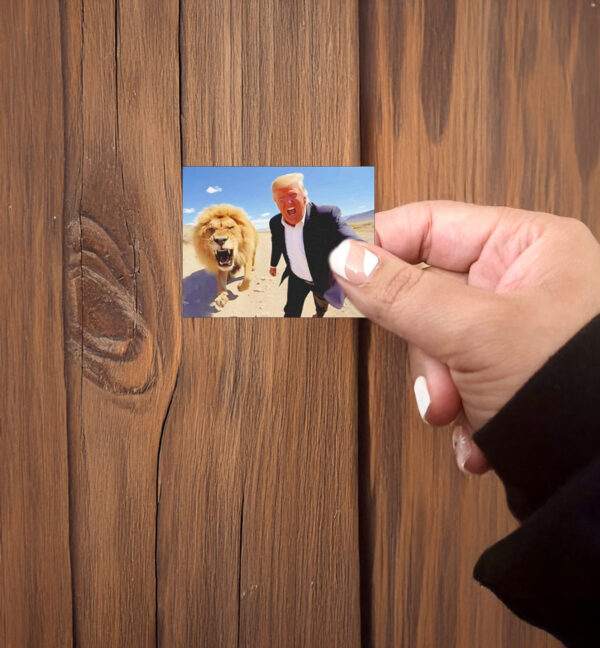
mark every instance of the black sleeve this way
{"type": "Point", "coordinates": [544, 444]}
{"type": "Point", "coordinates": [275, 247]}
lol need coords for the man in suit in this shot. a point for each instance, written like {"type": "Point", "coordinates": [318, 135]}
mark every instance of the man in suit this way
{"type": "Point", "coordinates": [305, 234]}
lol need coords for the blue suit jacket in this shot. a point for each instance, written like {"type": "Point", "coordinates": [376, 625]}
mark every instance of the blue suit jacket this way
{"type": "Point", "coordinates": [324, 229]}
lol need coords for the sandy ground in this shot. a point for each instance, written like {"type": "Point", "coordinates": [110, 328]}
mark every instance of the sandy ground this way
{"type": "Point", "coordinates": [264, 298]}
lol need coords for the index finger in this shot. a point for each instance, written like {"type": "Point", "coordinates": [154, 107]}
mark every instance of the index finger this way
{"type": "Point", "coordinates": [442, 233]}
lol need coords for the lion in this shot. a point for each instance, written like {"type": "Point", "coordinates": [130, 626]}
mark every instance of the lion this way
{"type": "Point", "coordinates": [225, 240]}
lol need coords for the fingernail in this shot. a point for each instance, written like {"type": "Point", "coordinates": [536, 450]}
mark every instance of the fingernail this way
{"type": "Point", "coordinates": [462, 448]}
{"type": "Point", "coordinates": [352, 261]}
{"type": "Point", "coordinates": [422, 396]}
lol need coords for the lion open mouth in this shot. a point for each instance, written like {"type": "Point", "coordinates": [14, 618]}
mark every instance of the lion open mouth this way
{"type": "Point", "coordinates": [224, 257]}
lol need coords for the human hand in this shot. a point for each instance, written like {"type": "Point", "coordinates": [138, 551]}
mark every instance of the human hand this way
{"type": "Point", "coordinates": [272, 271]}
{"type": "Point", "coordinates": [507, 288]}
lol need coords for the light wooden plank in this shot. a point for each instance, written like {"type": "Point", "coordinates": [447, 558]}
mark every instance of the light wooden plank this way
{"type": "Point", "coordinates": [35, 576]}
{"type": "Point", "coordinates": [123, 302]}
{"type": "Point", "coordinates": [258, 519]}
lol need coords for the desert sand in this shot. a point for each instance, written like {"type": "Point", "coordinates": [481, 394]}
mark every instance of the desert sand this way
{"type": "Point", "coordinates": [265, 297]}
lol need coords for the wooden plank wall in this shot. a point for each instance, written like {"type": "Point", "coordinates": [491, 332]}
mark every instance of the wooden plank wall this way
{"type": "Point", "coordinates": [260, 483]}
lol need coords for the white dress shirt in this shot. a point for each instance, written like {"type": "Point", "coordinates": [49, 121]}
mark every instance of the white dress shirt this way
{"type": "Point", "coordinates": [294, 243]}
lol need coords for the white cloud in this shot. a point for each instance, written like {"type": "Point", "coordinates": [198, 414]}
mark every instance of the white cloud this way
{"type": "Point", "coordinates": [260, 223]}
{"type": "Point", "coordinates": [188, 210]}
{"type": "Point", "coordinates": [212, 190]}
{"type": "Point", "coordinates": [265, 214]}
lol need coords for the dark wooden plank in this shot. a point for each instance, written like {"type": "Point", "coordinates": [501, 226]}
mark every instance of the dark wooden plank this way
{"type": "Point", "coordinates": [258, 526]}
{"type": "Point", "coordinates": [488, 102]}
{"type": "Point", "coordinates": [122, 307]}
{"type": "Point", "coordinates": [35, 577]}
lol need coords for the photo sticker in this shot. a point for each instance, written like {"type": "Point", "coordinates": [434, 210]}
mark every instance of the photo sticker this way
{"type": "Point", "coordinates": [256, 240]}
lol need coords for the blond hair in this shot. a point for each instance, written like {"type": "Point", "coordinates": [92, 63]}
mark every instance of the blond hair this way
{"type": "Point", "coordinates": [288, 179]}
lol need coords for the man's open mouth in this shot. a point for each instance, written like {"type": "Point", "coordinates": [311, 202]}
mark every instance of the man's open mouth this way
{"type": "Point", "coordinates": [291, 211]}
{"type": "Point", "coordinates": [224, 257]}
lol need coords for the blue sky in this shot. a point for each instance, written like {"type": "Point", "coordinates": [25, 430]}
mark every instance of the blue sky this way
{"type": "Point", "coordinates": [350, 188]}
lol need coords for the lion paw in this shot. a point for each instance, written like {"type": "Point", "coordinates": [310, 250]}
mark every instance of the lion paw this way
{"type": "Point", "coordinates": [221, 300]}
{"type": "Point", "coordinates": [244, 285]}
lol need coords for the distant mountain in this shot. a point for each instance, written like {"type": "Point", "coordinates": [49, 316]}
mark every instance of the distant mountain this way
{"type": "Point", "coordinates": [362, 216]}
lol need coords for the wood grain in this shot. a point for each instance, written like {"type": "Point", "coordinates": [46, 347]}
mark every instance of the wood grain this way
{"type": "Point", "coordinates": [35, 578]}
{"type": "Point", "coordinates": [251, 482]}
{"type": "Point", "coordinates": [258, 517]}
{"type": "Point", "coordinates": [487, 102]}
{"type": "Point", "coordinates": [122, 284]}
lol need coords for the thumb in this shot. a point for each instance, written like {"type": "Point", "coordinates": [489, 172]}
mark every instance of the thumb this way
{"type": "Point", "coordinates": [432, 311]}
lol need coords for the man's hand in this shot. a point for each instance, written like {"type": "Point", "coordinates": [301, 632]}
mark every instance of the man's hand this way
{"type": "Point", "coordinates": [273, 271]}
{"type": "Point", "coordinates": [507, 288]}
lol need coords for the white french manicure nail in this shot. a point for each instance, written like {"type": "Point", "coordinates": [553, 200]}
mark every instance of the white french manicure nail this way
{"type": "Point", "coordinates": [337, 258]}
{"type": "Point", "coordinates": [352, 261]}
{"type": "Point", "coordinates": [422, 396]}
{"type": "Point", "coordinates": [462, 448]}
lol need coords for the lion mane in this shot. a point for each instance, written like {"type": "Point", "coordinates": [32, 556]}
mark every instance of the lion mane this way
{"type": "Point", "coordinates": [230, 223]}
